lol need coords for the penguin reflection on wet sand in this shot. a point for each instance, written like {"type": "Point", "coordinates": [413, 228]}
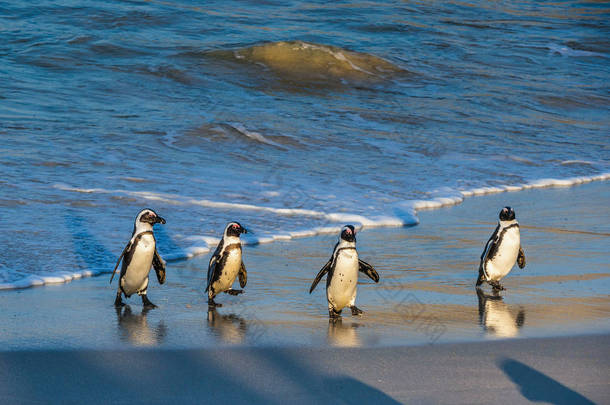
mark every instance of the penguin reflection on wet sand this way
{"type": "Point", "coordinates": [496, 317]}
{"type": "Point", "coordinates": [502, 250]}
{"type": "Point", "coordinates": [229, 328]}
{"type": "Point", "coordinates": [134, 328]}
{"type": "Point", "coordinates": [138, 257]}
{"type": "Point", "coordinates": [342, 279]}
{"type": "Point", "coordinates": [343, 335]}
{"type": "Point", "coordinates": [226, 265]}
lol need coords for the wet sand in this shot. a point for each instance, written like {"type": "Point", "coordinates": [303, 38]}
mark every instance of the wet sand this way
{"type": "Point", "coordinates": [426, 293]}
{"type": "Point", "coordinates": [552, 370]}
{"type": "Point", "coordinates": [66, 342]}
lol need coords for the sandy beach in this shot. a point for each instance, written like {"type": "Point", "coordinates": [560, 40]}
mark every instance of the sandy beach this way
{"type": "Point", "coordinates": [427, 335]}
{"type": "Point", "coordinates": [414, 121]}
{"type": "Point", "coordinates": [426, 293]}
{"type": "Point", "coordinates": [503, 372]}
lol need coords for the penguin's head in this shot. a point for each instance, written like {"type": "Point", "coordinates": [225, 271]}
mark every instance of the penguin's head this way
{"type": "Point", "coordinates": [148, 216]}
{"type": "Point", "coordinates": [348, 233]}
{"type": "Point", "coordinates": [235, 229]}
{"type": "Point", "coordinates": [507, 214]}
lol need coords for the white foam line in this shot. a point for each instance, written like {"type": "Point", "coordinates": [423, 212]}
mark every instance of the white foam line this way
{"type": "Point", "coordinates": [38, 280]}
{"type": "Point", "coordinates": [567, 51]}
{"type": "Point", "coordinates": [337, 55]}
{"type": "Point", "coordinates": [410, 207]}
{"type": "Point", "coordinates": [577, 162]}
{"type": "Point", "coordinates": [541, 183]}
{"type": "Point", "coordinates": [253, 135]}
{"type": "Point", "coordinates": [179, 200]}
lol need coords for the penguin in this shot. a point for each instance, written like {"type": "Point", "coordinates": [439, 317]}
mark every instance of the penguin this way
{"type": "Point", "coordinates": [226, 264]}
{"type": "Point", "coordinates": [342, 279]}
{"type": "Point", "coordinates": [502, 250]}
{"type": "Point", "coordinates": [138, 257]}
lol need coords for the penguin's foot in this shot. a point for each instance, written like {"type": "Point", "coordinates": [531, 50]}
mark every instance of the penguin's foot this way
{"type": "Point", "coordinates": [212, 304]}
{"type": "Point", "coordinates": [497, 286]}
{"type": "Point", "coordinates": [332, 314]}
{"type": "Point", "coordinates": [118, 302]}
{"type": "Point", "coordinates": [146, 302]}
{"type": "Point", "coordinates": [356, 311]}
{"type": "Point", "coordinates": [234, 292]}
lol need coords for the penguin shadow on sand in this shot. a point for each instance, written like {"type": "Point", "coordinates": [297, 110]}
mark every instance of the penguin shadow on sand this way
{"type": "Point", "coordinates": [228, 328]}
{"type": "Point", "coordinates": [538, 387]}
{"type": "Point", "coordinates": [135, 329]}
{"type": "Point", "coordinates": [168, 245]}
{"type": "Point", "coordinates": [91, 254]}
{"type": "Point", "coordinates": [341, 334]}
{"type": "Point", "coordinates": [496, 317]}
{"type": "Point", "coordinates": [173, 252]}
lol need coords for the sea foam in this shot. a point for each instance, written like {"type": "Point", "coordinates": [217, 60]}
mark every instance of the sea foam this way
{"type": "Point", "coordinates": [404, 214]}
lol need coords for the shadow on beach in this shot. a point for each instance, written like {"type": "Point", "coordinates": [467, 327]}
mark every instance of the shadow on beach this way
{"type": "Point", "coordinates": [180, 377]}
{"type": "Point", "coordinates": [90, 253]}
{"type": "Point", "coordinates": [538, 387]}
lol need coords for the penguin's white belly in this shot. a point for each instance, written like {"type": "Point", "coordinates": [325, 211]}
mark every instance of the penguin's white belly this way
{"type": "Point", "coordinates": [506, 255]}
{"type": "Point", "coordinates": [342, 287]}
{"type": "Point", "coordinates": [135, 279]}
{"type": "Point", "coordinates": [229, 272]}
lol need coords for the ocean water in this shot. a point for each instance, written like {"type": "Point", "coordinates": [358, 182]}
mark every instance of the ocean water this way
{"type": "Point", "coordinates": [293, 118]}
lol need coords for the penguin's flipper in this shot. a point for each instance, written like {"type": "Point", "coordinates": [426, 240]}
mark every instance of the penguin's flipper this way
{"type": "Point", "coordinates": [489, 251]}
{"type": "Point", "coordinates": [521, 258]}
{"type": "Point", "coordinates": [211, 271]}
{"type": "Point", "coordinates": [119, 261]}
{"type": "Point", "coordinates": [321, 274]}
{"type": "Point", "coordinates": [481, 277]}
{"type": "Point", "coordinates": [159, 266]}
{"type": "Point", "coordinates": [367, 269]}
{"type": "Point", "coordinates": [243, 275]}
{"type": "Point", "coordinates": [212, 266]}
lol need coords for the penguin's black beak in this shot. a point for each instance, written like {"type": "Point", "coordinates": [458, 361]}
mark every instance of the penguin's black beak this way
{"type": "Point", "coordinates": [244, 230]}
{"type": "Point", "coordinates": [160, 220]}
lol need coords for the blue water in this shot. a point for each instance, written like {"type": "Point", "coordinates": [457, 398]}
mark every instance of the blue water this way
{"type": "Point", "coordinates": [291, 117]}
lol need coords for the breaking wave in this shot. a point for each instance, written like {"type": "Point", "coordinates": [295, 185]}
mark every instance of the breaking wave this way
{"type": "Point", "coordinates": [300, 61]}
{"type": "Point", "coordinates": [404, 214]}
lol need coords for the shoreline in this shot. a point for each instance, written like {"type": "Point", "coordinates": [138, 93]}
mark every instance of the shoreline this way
{"type": "Point", "coordinates": [504, 371]}
{"type": "Point", "coordinates": [425, 295]}
{"type": "Point", "coordinates": [412, 207]}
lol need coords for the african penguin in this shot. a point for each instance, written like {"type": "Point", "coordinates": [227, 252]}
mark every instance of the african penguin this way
{"type": "Point", "coordinates": [502, 250]}
{"type": "Point", "coordinates": [342, 279]}
{"type": "Point", "coordinates": [226, 264]}
{"type": "Point", "coordinates": [138, 257]}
